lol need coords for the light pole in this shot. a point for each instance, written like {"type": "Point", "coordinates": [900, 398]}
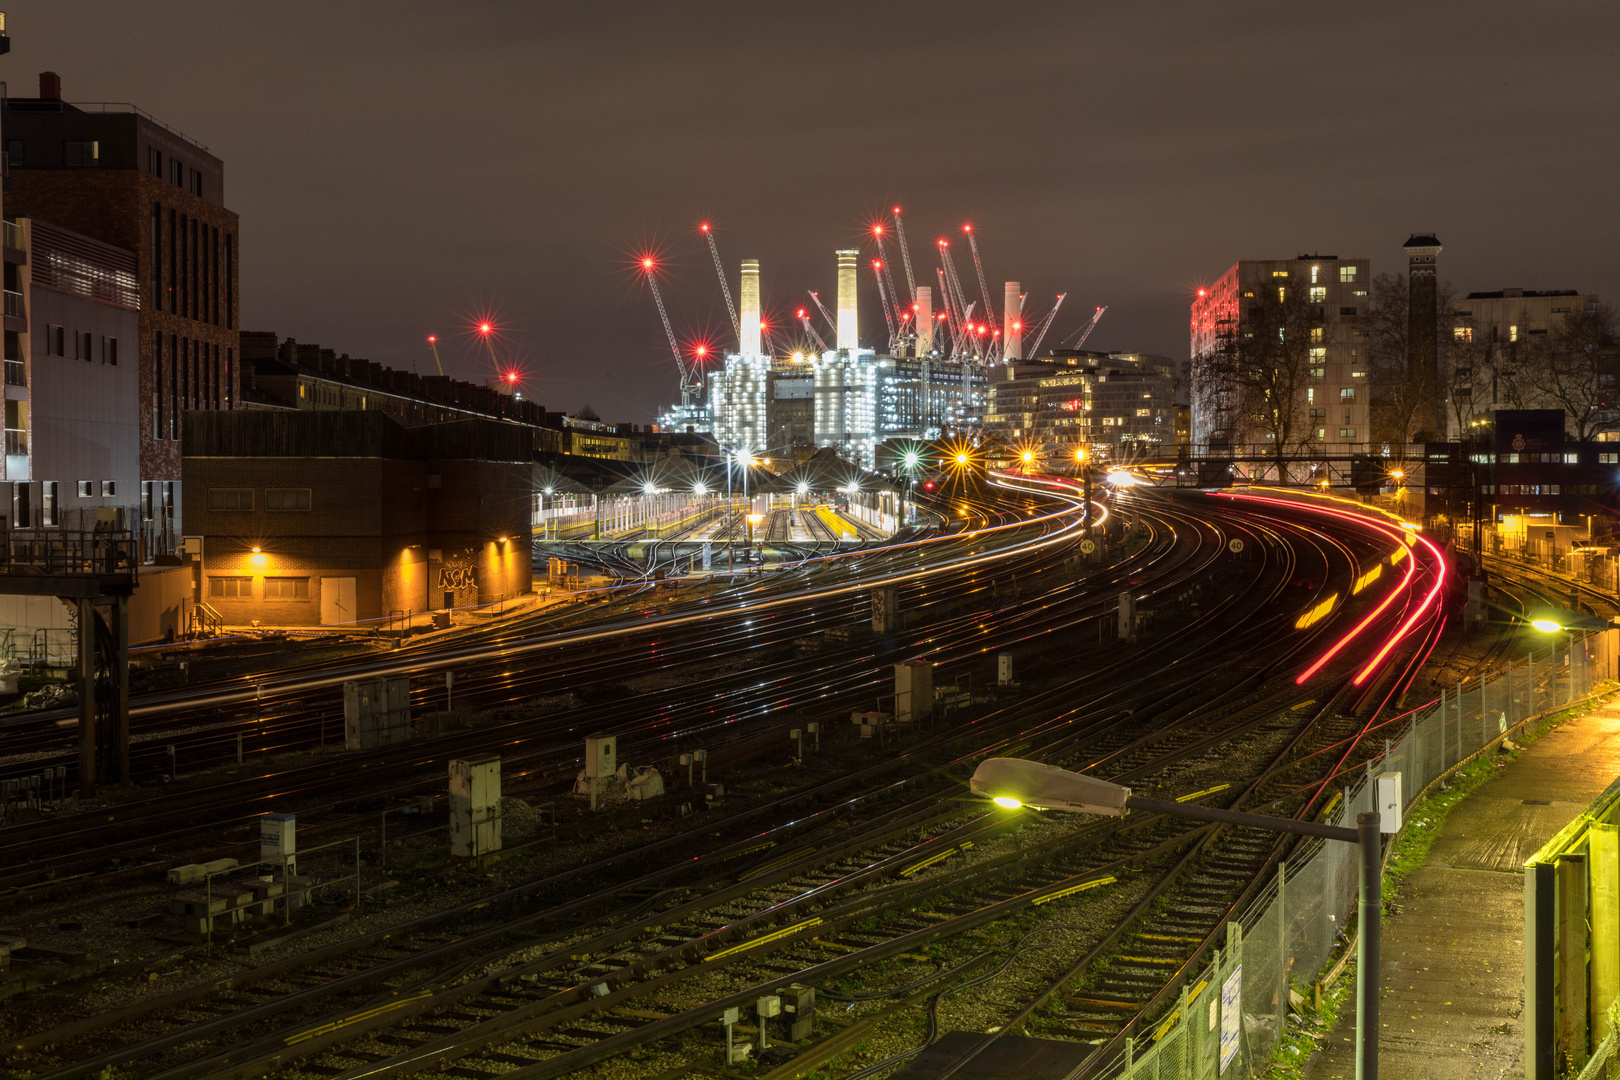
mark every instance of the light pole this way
{"type": "Point", "coordinates": [1013, 782]}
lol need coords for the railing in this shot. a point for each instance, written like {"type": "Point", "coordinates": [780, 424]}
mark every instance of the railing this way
{"type": "Point", "coordinates": [16, 442]}
{"type": "Point", "coordinates": [14, 305]}
{"type": "Point", "coordinates": [1285, 938]}
{"type": "Point", "coordinates": [16, 373]}
{"type": "Point", "coordinates": [206, 620]}
{"type": "Point", "coordinates": [62, 551]}
{"type": "Point", "coordinates": [13, 235]}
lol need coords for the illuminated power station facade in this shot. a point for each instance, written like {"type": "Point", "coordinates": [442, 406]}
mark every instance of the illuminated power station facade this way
{"type": "Point", "coordinates": [849, 398]}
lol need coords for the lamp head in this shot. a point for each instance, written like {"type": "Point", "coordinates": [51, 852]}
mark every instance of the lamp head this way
{"type": "Point", "coordinates": [1014, 782]}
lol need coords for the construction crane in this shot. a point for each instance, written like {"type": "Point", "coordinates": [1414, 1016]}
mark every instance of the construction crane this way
{"type": "Point", "coordinates": [433, 343]}
{"type": "Point", "coordinates": [984, 289]}
{"type": "Point", "coordinates": [1046, 324]}
{"type": "Point", "coordinates": [832, 324]}
{"type": "Point", "coordinates": [888, 278]}
{"type": "Point", "coordinates": [689, 385]}
{"type": "Point", "coordinates": [725, 286]}
{"type": "Point", "coordinates": [1085, 331]}
{"type": "Point", "coordinates": [883, 298]}
{"type": "Point", "coordinates": [905, 253]}
{"type": "Point", "coordinates": [804, 321]}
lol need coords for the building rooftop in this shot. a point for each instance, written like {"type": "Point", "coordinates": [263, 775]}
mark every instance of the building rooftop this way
{"type": "Point", "coordinates": [1511, 294]}
{"type": "Point", "coordinates": [1422, 240]}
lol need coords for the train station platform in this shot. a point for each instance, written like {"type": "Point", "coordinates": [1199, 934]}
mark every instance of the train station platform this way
{"type": "Point", "coordinates": [1453, 946]}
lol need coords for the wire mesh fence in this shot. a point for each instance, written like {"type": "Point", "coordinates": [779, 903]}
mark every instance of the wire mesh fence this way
{"type": "Point", "coordinates": [1230, 1020]}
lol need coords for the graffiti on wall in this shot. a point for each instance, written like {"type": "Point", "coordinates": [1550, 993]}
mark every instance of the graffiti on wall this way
{"type": "Point", "coordinates": [455, 577]}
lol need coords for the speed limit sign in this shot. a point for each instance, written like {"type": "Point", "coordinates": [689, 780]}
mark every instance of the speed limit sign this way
{"type": "Point", "coordinates": [1088, 546]}
{"type": "Point", "coordinates": [1235, 547]}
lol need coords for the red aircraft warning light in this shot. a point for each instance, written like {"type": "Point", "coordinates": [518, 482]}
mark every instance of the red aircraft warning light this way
{"type": "Point", "coordinates": [704, 227]}
{"type": "Point", "coordinates": [486, 328]}
{"type": "Point", "coordinates": [967, 227]}
{"type": "Point", "coordinates": [432, 338]}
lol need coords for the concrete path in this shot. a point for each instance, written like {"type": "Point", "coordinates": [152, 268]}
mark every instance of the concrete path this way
{"type": "Point", "coordinates": [1453, 950]}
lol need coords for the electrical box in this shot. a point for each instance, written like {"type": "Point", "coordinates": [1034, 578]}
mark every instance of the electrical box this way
{"type": "Point", "coordinates": [885, 609]}
{"type": "Point", "coordinates": [278, 839]}
{"type": "Point", "coordinates": [1390, 801]}
{"type": "Point", "coordinates": [601, 756]}
{"type": "Point", "coordinates": [799, 1002]}
{"type": "Point", "coordinates": [376, 713]}
{"type": "Point", "coordinates": [768, 1006]}
{"type": "Point", "coordinates": [1004, 669]}
{"type": "Point", "coordinates": [1127, 616]}
{"type": "Point", "coordinates": [475, 806]}
{"type": "Point", "coordinates": [913, 691]}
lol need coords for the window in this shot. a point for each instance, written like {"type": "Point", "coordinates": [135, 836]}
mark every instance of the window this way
{"type": "Point", "coordinates": [1347, 311]}
{"type": "Point", "coordinates": [1513, 333]}
{"type": "Point", "coordinates": [1347, 273]}
{"type": "Point", "coordinates": [154, 162]}
{"type": "Point", "coordinates": [109, 489]}
{"type": "Point", "coordinates": [80, 153]}
{"type": "Point", "coordinates": [1319, 354]}
{"type": "Point", "coordinates": [47, 504]}
{"type": "Point", "coordinates": [1462, 333]}
{"type": "Point", "coordinates": [14, 153]}
{"type": "Point", "coordinates": [177, 173]}
{"type": "Point", "coordinates": [87, 489]}
{"type": "Point", "coordinates": [1347, 433]}
{"type": "Point", "coordinates": [109, 351]}
{"type": "Point", "coordinates": [1319, 294]}
{"type": "Point", "coordinates": [196, 182]}
{"type": "Point", "coordinates": [1279, 273]}
{"type": "Point", "coordinates": [286, 499]}
{"type": "Point", "coordinates": [1359, 292]}
{"type": "Point", "coordinates": [1314, 271]}
{"type": "Point", "coordinates": [1318, 372]}
{"type": "Point", "coordinates": [146, 500]}
{"type": "Point", "coordinates": [1144, 412]}
{"type": "Point", "coordinates": [1318, 414]}
{"type": "Point", "coordinates": [1316, 334]}
{"type": "Point", "coordinates": [1282, 294]}
{"type": "Point", "coordinates": [83, 345]}
{"type": "Point", "coordinates": [1358, 374]}
{"type": "Point", "coordinates": [286, 588]}
{"type": "Point", "coordinates": [1572, 459]}
{"type": "Point", "coordinates": [1560, 311]}
{"type": "Point", "coordinates": [1321, 433]}
{"type": "Point", "coordinates": [1310, 395]}
{"type": "Point", "coordinates": [55, 340]}
{"type": "Point", "coordinates": [1609, 459]}
{"type": "Point", "coordinates": [231, 588]}
{"type": "Point", "coordinates": [230, 499]}
{"type": "Point", "coordinates": [1347, 393]}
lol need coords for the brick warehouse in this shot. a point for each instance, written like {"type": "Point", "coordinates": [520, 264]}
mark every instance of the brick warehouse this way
{"type": "Point", "coordinates": [119, 176]}
{"type": "Point", "coordinates": [312, 518]}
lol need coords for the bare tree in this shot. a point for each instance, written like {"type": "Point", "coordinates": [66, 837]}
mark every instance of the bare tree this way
{"type": "Point", "coordinates": [1406, 404]}
{"type": "Point", "coordinates": [1471, 380]}
{"type": "Point", "coordinates": [1574, 366]}
{"type": "Point", "coordinates": [1254, 381]}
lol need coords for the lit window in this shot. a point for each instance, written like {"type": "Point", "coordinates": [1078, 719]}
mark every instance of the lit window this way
{"type": "Point", "coordinates": [1282, 295]}
{"type": "Point", "coordinates": [1144, 412]}
{"type": "Point", "coordinates": [1314, 271]}
{"type": "Point", "coordinates": [87, 489]}
{"type": "Point", "coordinates": [109, 489]}
{"type": "Point", "coordinates": [1358, 374]}
{"type": "Point", "coordinates": [1348, 393]}
{"type": "Point", "coordinates": [1513, 333]}
{"type": "Point", "coordinates": [1347, 433]}
{"type": "Point", "coordinates": [1319, 294]}
{"type": "Point", "coordinates": [1319, 355]}
{"type": "Point", "coordinates": [1310, 395]}
{"type": "Point", "coordinates": [1572, 459]}
{"type": "Point", "coordinates": [1347, 273]}
{"type": "Point", "coordinates": [81, 153]}
{"type": "Point", "coordinates": [1318, 373]}
{"type": "Point", "coordinates": [1279, 273]}
{"type": "Point", "coordinates": [1316, 333]}
{"type": "Point", "coordinates": [1462, 333]}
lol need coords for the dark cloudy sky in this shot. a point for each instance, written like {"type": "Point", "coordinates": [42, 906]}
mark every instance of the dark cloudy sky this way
{"type": "Point", "coordinates": [399, 167]}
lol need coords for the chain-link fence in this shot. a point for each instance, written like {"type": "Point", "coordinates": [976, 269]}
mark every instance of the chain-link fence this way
{"type": "Point", "coordinates": [1229, 1021]}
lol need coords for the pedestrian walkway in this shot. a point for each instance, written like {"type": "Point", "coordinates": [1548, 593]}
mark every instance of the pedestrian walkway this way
{"type": "Point", "coordinates": [1453, 948]}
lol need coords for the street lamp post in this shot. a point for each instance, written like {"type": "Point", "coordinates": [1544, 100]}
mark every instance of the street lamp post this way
{"type": "Point", "coordinates": [1013, 782]}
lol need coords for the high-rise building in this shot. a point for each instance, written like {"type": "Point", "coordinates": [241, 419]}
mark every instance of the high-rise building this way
{"type": "Point", "coordinates": [121, 177]}
{"type": "Point", "coordinates": [1117, 405]}
{"type": "Point", "coordinates": [1332, 410]}
{"type": "Point", "coordinates": [1493, 337]}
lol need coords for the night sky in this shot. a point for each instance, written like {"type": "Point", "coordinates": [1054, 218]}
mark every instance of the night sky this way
{"type": "Point", "coordinates": [401, 168]}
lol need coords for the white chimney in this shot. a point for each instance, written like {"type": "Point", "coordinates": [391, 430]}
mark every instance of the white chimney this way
{"type": "Point", "coordinates": [848, 325]}
{"type": "Point", "coordinates": [748, 317]}
{"type": "Point", "coordinates": [925, 320]}
{"type": "Point", "coordinates": [1012, 322]}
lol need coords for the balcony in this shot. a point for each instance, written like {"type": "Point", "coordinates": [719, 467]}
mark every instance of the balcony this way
{"type": "Point", "coordinates": [14, 305]}
{"type": "Point", "coordinates": [16, 373]}
{"type": "Point", "coordinates": [12, 235]}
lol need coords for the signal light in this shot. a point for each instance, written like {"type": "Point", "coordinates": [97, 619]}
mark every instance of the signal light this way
{"type": "Point", "coordinates": [929, 485]}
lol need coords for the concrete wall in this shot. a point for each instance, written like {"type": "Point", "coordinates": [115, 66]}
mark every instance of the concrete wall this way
{"type": "Point", "coordinates": [158, 608]}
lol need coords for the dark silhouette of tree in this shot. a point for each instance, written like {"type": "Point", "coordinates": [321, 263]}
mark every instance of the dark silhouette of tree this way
{"type": "Point", "coordinates": [1574, 366]}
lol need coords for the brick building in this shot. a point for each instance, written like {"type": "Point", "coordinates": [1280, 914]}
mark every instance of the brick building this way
{"type": "Point", "coordinates": [336, 517]}
{"type": "Point", "coordinates": [117, 175]}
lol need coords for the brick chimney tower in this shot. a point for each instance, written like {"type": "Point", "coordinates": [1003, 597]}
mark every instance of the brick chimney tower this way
{"type": "Point", "coordinates": [1423, 312]}
{"type": "Point", "coordinates": [50, 86]}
